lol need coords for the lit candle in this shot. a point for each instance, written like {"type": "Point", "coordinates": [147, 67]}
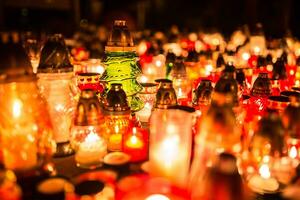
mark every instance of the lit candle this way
{"type": "Point", "coordinates": [168, 156]}
{"type": "Point", "coordinates": [91, 151]}
{"type": "Point", "coordinates": [263, 182]}
{"type": "Point", "coordinates": [134, 142]}
{"type": "Point", "coordinates": [135, 146]}
{"type": "Point", "coordinates": [115, 140]}
{"type": "Point", "coordinates": [20, 150]}
{"type": "Point", "coordinates": [170, 145]}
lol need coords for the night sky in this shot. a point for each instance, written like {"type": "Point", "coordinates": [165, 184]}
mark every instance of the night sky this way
{"type": "Point", "coordinates": [277, 16]}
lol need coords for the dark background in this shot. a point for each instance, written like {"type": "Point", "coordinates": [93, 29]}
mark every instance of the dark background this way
{"type": "Point", "coordinates": [278, 17]}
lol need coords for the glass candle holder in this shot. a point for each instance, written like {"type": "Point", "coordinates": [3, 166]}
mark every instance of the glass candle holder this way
{"type": "Point", "coordinates": [25, 126]}
{"type": "Point", "coordinates": [91, 151]}
{"type": "Point", "coordinates": [265, 165]}
{"type": "Point", "coordinates": [117, 117]}
{"type": "Point", "coordinates": [170, 145]}
{"type": "Point", "coordinates": [55, 74]}
{"type": "Point", "coordinates": [259, 93]}
{"type": "Point", "coordinates": [86, 132]}
{"type": "Point", "coordinates": [135, 144]}
{"type": "Point", "coordinates": [166, 95]}
{"type": "Point", "coordinates": [121, 63]}
{"type": "Point", "coordinates": [55, 88]}
{"type": "Point", "coordinates": [147, 95]}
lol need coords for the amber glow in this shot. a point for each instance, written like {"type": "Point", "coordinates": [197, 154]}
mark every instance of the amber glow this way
{"type": "Point", "coordinates": [293, 152]}
{"type": "Point", "coordinates": [157, 197]}
{"type": "Point", "coordinates": [134, 141]}
{"type": "Point", "coordinates": [17, 108]}
{"type": "Point", "coordinates": [264, 171]}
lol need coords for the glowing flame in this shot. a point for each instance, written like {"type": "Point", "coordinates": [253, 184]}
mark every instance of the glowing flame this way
{"type": "Point", "coordinates": [256, 50]}
{"type": "Point", "coordinates": [158, 63]}
{"type": "Point", "coordinates": [91, 138]}
{"type": "Point", "coordinates": [157, 197]}
{"type": "Point", "coordinates": [245, 56]}
{"type": "Point", "coordinates": [117, 129]}
{"type": "Point", "coordinates": [143, 79]}
{"type": "Point", "coordinates": [17, 108]}
{"type": "Point", "coordinates": [293, 152]}
{"type": "Point", "coordinates": [292, 72]}
{"type": "Point", "coordinates": [264, 171]}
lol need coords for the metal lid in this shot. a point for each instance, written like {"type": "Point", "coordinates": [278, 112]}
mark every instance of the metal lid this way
{"type": "Point", "coordinates": [89, 111]}
{"type": "Point", "coordinates": [116, 100]}
{"type": "Point", "coordinates": [55, 56]}
{"type": "Point", "coordinates": [89, 187]}
{"type": "Point", "coordinates": [120, 38]}
{"type": "Point", "coordinates": [262, 85]}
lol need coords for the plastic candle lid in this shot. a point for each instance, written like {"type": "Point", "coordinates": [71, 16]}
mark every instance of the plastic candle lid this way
{"type": "Point", "coordinates": [116, 158]}
{"type": "Point", "coordinates": [53, 188]}
{"type": "Point", "coordinates": [89, 187]}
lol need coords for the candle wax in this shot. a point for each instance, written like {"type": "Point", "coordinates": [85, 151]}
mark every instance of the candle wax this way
{"type": "Point", "coordinates": [91, 151]}
{"type": "Point", "coordinates": [263, 185]}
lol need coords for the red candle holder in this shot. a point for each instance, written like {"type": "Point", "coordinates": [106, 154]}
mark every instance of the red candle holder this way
{"type": "Point", "coordinates": [142, 186]}
{"type": "Point", "coordinates": [135, 144]}
{"type": "Point", "coordinates": [278, 102]}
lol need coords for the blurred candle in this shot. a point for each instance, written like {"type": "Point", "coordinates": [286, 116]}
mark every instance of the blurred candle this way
{"type": "Point", "coordinates": [135, 144]}
{"type": "Point", "coordinates": [170, 145]}
{"type": "Point", "coordinates": [91, 151]}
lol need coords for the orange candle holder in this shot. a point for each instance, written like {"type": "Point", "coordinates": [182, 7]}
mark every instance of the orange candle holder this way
{"type": "Point", "coordinates": [135, 144]}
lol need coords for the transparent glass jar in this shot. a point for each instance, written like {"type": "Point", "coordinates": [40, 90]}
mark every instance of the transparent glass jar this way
{"type": "Point", "coordinates": [26, 129]}
{"type": "Point", "coordinates": [56, 88]}
{"type": "Point", "coordinates": [170, 145]}
{"type": "Point", "coordinates": [147, 95]}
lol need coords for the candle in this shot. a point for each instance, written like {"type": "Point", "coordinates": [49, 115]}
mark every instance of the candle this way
{"type": "Point", "coordinates": [134, 142]}
{"type": "Point", "coordinates": [91, 151]}
{"type": "Point", "coordinates": [20, 149]}
{"type": "Point", "coordinates": [263, 183]}
{"type": "Point", "coordinates": [170, 145]}
{"type": "Point", "coordinates": [115, 140]}
{"type": "Point", "coordinates": [135, 145]}
{"type": "Point", "coordinates": [157, 197]}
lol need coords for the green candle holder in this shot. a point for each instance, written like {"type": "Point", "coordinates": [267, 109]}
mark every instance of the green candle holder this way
{"type": "Point", "coordinates": [121, 62]}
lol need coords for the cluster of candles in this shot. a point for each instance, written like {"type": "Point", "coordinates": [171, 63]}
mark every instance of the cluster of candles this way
{"type": "Point", "coordinates": [196, 98]}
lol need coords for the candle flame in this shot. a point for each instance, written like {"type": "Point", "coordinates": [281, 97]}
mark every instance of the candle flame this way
{"type": "Point", "coordinates": [143, 79]}
{"type": "Point", "coordinates": [256, 49]}
{"type": "Point", "coordinates": [264, 171]}
{"type": "Point", "coordinates": [245, 56]}
{"type": "Point", "coordinates": [100, 69]}
{"type": "Point", "coordinates": [117, 129]}
{"type": "Point", "coordinates": [158, 63]}
{"type": "Point", "coordinates": [293, 152]}
{"type": "Point", "coordinates": [180, 93]}
{"type": "Point", "coordinates": [17, 108]}
{"type": "Point", "coordinates": [134, 131]}
{"type": "Point", "coordinates": [91, 138]}
{"type": "Point", "coordinates": [157, 197]}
